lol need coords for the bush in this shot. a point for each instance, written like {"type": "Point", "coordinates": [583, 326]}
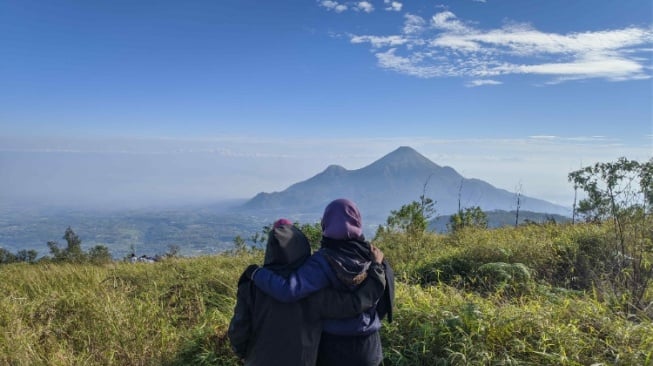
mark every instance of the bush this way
{"type": "Point", "coordinates": [512, 278]}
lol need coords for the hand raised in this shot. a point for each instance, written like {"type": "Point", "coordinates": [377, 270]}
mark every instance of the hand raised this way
{"type": "Point", "coordinates": [377, 254]}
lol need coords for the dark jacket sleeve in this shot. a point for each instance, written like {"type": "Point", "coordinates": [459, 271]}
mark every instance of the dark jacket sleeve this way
{"type": "Point", "coordinates": [340, 304]}
{"type": "Point", "coordinates": [308, 279]}
{"type": "Point", "coordinates": [240, 327]}
{"type": "Point", "coordinates": [387, 302]}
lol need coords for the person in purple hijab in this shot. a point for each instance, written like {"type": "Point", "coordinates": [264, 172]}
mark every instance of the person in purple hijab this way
{"type": "Point", "coordinates": [342, 263]}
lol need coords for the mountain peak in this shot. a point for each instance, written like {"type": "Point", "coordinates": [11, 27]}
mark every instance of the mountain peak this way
{"type": "Point", "coordinates": [404, 150]}
{"type": "Point", "coordinates": [334, 169]}
{"type": "Point", "coordinates": [405, 156]}
{"type": "Point", "coordinates": [388, 183]}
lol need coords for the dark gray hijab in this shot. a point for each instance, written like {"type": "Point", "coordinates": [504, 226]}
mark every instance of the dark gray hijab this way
{"type": "Point", "coordinates": [286, 250]}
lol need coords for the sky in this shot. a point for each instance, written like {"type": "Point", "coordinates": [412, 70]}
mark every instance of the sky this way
{"type": "Point", "coordinates": [110, 103]}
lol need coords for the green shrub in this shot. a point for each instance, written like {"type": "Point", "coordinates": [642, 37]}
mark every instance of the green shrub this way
{"type": "Point", "coordinates": [513, 278]}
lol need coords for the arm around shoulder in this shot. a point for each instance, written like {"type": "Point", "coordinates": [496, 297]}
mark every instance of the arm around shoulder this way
{"type": "Point", "coordinates": [309, 278]}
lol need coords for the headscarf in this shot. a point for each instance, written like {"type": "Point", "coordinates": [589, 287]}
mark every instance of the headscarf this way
{"type": "Point", "coordinates": [343, 243]}
{"type": "Point", "coordinates": [342, 221]}
{"type": "Point", "coordinates": [286, 250]}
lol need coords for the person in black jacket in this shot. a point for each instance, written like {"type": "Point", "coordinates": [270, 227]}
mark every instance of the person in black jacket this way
{"type": "Point", "coordinates": [264, 331]}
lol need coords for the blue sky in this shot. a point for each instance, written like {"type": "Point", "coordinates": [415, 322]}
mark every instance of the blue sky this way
{"type": "Point", "coordinates": [248, 96]}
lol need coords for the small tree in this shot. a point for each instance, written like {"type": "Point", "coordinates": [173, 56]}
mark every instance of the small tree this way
{"type": "Point", "coordinates": [28, 256]}
{"type": "Point", "coordinates": [620, 193]}
{"type": "Point", "coordinates": [6, 256]}
{"type": "Point", "coordinates": [469, 217]}
{"type": "Point", "coordinates": [614, 187]}
{"type": "Point", "coordinates": [73, 252]}
{"type": "Point", "coordinates": [412, 218]}
{"type": "Point", "coordinates": [240, 245]}
{"type": "Point", "coordinates": [99, 254]}
{"type": "Point", "coordinates": [173, 251]}
{"type": "Point", "coordinates": [261, 237]}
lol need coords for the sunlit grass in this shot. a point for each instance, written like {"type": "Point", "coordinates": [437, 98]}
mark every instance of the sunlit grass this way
{"type": "Point", "coordinates": [439, 325]}
{"type": "Point", "coordinates": [120, 314]}
{"type": "Point", "coordinates": [176, 312]}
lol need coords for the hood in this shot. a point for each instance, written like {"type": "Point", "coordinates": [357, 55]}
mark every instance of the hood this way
{"type": "Point", "coordinates": [287, 248]}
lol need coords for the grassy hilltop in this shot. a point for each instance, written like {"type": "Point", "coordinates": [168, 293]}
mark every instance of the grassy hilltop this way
{"type": "Point", "coordinates": [530, 295]}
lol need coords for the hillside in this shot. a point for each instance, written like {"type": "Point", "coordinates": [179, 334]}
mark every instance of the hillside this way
{"type": "Point", "coordinates": [388, 183]}
{"type": "Point", "coordinates": [506, 295]}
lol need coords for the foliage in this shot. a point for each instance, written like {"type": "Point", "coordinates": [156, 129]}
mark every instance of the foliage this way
{"type": "Point", "coordinates": [260, 237]}
{"type": "Point", "coordinates": [99, 254]}
{"type": "Point", "coordinates": [412, 218]}
{"type": "Point", "coordinates": [173, 251]}
{"type": "Point", "coordinates": [500, 276]}
{"type": "Point", "coordinates": [439, 325]}
{"type": "Point", "coordinates": [313, 233]}
{"type": "Point", "coordinates": [7, 256]}
{"type": "Point", "coordinates": [240, 245]}
{"type": "Point", "coordinates": [176, 312]}
{"type": "Point", "coordinates": [614, 189]}
{"type": "Point", "coordinates": [26, 255]}
{"type": "Point", "coordinates": [469, 217]}
{"type": "Point", "coordinates": [619, 194]}
{"type": "Point", "coordinates": [73, 252]}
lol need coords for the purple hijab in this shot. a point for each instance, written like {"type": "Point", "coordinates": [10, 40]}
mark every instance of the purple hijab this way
{"type": "Point", "coordinates": [343, 242]}
{"type": "Point", "coordinates": [342, 221]}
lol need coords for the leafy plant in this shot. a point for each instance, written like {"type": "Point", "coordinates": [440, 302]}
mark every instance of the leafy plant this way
{"type": "Point", "coordinates": [621, 194]}
{"type": "Point", "coordinates": [412, 218]}
{"type": "Point", "coordinates": [469, 217]}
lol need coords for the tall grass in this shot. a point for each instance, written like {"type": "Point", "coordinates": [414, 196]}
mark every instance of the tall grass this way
{"type": "Point", "coordinates": [460, 301]}
{"type": "Point", "coordinates": [120, 314]}
{"type": "Point", "coordinates": [440, 325]}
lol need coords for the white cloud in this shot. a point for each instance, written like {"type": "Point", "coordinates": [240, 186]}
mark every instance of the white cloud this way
{"type": "Point", "coordinates": [333, 5]}
{"type": "Point", "coordinates": [377, 42]}
{"type": "Point", "coordinates": [390, 60]}
{"type": "Point", "coordinates": [449, 46]}
{"type": "Point", "coordinates": [482, 82]}
{"type": "Point", "coordinates": [573, 138]}
{"type": "Point", "coordinates": [365, 6]}
{"type": "Point", "coordinates": [413, 24]}
{"type": "Point", "coordinates": [606, 67]}
{"type": "Point", "coordinates": [393, 5]}
{"type": "Point", "coordinates": [447, 20]}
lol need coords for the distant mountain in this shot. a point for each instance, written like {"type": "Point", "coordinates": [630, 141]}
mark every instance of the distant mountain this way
{"type": "Point", "coordinates": [387, 184]}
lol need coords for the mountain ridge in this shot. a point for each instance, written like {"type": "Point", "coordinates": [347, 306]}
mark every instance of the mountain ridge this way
{"type": "Point", "coordinates": [386, 184]}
